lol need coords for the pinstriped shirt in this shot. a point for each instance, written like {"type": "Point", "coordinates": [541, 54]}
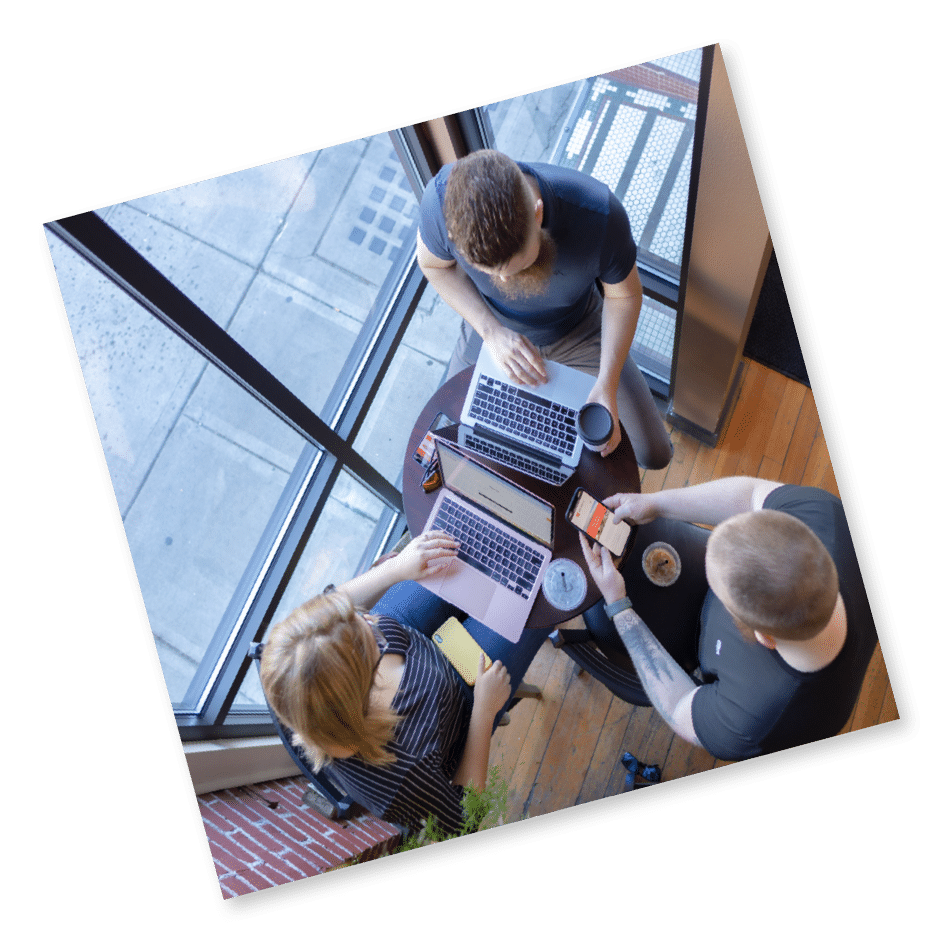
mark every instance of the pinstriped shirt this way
{"type": "Point", "coordinates": [435, 711]}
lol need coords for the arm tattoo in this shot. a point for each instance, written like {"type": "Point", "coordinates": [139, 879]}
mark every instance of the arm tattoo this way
{"type": "Point", "coordinates": [664, 680]}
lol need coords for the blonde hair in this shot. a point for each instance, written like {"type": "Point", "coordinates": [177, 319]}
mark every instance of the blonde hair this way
{"type": "Point", "coordinates": [779, 576]}
{"type": "Point", "coordinates": [317, 670]}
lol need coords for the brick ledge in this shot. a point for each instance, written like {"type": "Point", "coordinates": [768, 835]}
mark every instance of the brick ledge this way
{"type": "Point", "coordinates": [255, 847]}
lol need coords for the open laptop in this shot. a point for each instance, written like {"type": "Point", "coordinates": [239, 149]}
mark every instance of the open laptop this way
{"type": "Point", "coordinates": [505, 537]}
{"type": "Point", "coordinates": [532, 429]}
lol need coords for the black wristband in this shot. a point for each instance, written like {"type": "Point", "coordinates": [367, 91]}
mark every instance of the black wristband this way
{"type": "Point", "coordinates": [620, 606]}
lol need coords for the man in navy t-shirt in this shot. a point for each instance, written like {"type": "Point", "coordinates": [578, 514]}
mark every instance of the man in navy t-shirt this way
{"type": "Point", "coordinates": [785, 633]}
{"type": "Point", "coordinates": [516, 250]}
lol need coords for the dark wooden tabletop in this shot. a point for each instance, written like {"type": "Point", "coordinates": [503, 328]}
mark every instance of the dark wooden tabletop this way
{"type": "Point", "coordinates": [601, 477]}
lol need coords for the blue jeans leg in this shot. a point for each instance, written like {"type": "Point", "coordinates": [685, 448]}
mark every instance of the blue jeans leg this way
{"type": "Point", "coordinates": [515, 657]}
{"type": "Point", "coordinates": [413, 605]}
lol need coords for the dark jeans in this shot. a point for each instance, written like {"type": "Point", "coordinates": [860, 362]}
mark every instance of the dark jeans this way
{"type": "Point", "coordinates": [414, 606]}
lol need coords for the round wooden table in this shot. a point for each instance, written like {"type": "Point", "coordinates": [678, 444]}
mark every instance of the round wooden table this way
{"type": "Point", "coordinates": [601, 477]}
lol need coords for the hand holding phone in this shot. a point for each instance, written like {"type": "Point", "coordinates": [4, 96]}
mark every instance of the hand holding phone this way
{"type": "Point", "coordinates": [598, 523]}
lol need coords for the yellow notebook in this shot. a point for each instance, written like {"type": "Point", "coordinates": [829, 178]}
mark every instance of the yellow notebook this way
{"type": "Point", "coordinates": [461, 649]}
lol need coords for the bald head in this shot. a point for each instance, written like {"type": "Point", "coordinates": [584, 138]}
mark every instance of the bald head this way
{"type": "Point", "coordinates": [773, 574]}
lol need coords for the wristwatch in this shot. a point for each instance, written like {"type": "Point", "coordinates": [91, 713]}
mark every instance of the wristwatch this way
{"type": "Point", "coordinates": [620, 606]}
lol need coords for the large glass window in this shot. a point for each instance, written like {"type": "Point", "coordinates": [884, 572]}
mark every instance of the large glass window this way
{"type": "Point", "coordinates": [632, 129]}
{"type": "Point", "coordinates": [234, 515]}
{"type": "Point", "coordinates": [256, 349]}
{"type": "Point", "coordinates": [197, 465]}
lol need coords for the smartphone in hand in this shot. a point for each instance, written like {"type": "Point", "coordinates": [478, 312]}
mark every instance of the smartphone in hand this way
{"type": "Point", "coordinates": [597, 522]}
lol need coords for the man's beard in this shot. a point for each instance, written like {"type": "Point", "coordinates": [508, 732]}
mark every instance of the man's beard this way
{"type": "Point", "coordinates": [532, 281]}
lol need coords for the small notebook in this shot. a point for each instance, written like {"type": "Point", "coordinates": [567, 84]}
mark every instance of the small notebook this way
{"type": "Point", "coordinates": [461, 649]}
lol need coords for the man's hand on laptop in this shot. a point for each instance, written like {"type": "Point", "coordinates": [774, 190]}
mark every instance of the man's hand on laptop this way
{"type": "Point", "coordinates": [517, 356]}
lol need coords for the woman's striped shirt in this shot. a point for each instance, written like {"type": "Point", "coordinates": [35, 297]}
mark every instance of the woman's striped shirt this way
{"type": "Point", "coordinates": [434, 705]}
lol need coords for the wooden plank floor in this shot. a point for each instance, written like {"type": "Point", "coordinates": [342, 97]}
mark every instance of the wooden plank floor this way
{"type": "Point", "coordinates": [566, 748]}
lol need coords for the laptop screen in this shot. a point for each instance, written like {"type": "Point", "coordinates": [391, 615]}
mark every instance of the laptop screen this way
{"type": "Point", "coordinates": [496, 494]}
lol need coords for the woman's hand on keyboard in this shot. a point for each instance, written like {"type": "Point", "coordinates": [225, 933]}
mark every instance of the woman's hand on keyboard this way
{"type": "Point", "coordinates": [517, 356]}
{"type": "Point", "coordinates": [428, 553]}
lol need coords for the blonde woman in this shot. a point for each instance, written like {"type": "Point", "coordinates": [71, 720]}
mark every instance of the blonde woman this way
{"type": "Point", "coordinates": [353, 673]}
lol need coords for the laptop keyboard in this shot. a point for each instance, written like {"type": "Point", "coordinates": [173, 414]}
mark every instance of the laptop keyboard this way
{"type": "Point", "coordinates": [546, 424]}
{"type": "Point", "coordinates": [515, 460]}
{"type": "Point", "coordinates": [498, 555]}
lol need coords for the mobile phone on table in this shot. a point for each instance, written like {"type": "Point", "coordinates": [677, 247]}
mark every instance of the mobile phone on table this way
{"type": "Point", "coordinates": [425, 453]}
{"type": "Point", "coordinates": [598, 523]}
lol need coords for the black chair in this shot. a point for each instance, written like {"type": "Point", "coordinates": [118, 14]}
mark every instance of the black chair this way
{"type": "Point", "coordinates": [672, 612]}
{"type": "Point", "coordinates": [337, 804]}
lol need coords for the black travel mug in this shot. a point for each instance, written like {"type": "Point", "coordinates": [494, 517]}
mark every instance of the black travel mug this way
{"type": "Point", "coordinates": [594, 425]}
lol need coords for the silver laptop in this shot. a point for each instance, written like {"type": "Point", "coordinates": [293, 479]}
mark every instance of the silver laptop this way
{"type": "Point", "coordinates": [530, 428]}
{"type": "Point", "coordinates": [505, 537]}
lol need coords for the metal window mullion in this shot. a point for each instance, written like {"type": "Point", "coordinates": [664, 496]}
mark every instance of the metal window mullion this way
{"type": "Point", "coordinates": [275, 543]}
{"type": "Point", "coordinates": [229, 665]}
{"type": "Point", "coordinates": [368, 360]}
{"type": "Point", "coordinates": [369, 366]}
{"type": "Point", "coordinates": [103, 248]}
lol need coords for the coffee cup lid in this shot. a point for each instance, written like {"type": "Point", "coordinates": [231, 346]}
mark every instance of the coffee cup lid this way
{"type": "Point", "coordinates": [595, 423]}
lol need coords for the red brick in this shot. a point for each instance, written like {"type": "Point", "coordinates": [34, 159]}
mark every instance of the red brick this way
{"type": "Point", "coordinates": [216, 820]}
{"type": "Point", "coordinates": [355, 837]}
{"type": "Point", "coordinates": [343, 846]}
{"type": "Point", "coordinates": [238, 885]}
{"type": "Point", "coordinates": [258, 880]}
{"type": "Point", "coordinates": [267, 840]}
{"type": "Point", "coordinates": [249, 805]}
{"type": "Point", "coordinates": [282, 823]}
{"type": "Point", "coordinates": [341, 842]}
{"type": "Point", "coordinates": [362, 837]}
{"type": "Point", "coordinates": [235, 813]}
{"type": "Point", "coordinates": [377, 829]}
{"type": "Point", "coordinates": [306, 868]}
{"type": "Point", "coordinates": [227, 891]}
{"type": "Point", "coordinates": [278, 877]}
{"type": "Point", "coordinates": [249, 842]}
{"type": "Point", "coordinates": [290, 791]}
{"type": "Point", "coordinates": [312, 854]}
{"type": "Point", "coordinates": [224, 862]}
{"type": "Point", "coordinates": [246, 857]}
{"type": "Point", "coordinates": [330, 852]}
{"type": "Point", "coordinates": [310, 813]}
{"type": "Point", "coordinates": [373, 829]}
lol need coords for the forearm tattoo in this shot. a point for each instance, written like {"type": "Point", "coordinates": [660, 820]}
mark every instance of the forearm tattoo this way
{"type": "Point", "coordinates": [664, 680]}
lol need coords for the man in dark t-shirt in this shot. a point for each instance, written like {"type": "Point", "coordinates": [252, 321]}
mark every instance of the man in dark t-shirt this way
{"type": "Point", "coordinates": [517, 250]}
{"type": "Point", "coordinates": [785, 632]}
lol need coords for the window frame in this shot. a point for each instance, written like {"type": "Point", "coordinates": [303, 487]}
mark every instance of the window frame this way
{"type": "Point", "coordinates": [207, 711]}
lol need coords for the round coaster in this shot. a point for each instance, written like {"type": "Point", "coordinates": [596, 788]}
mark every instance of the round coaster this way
{"type": "Point", "coordinates": [564, 585]}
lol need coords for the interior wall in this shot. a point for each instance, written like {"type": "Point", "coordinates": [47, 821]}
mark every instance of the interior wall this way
{"type": "Point", "coordinates": [729, 253]}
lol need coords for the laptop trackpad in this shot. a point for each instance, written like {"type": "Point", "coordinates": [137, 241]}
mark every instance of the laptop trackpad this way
{"type": "Point", "coordinates": [467, 588]}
